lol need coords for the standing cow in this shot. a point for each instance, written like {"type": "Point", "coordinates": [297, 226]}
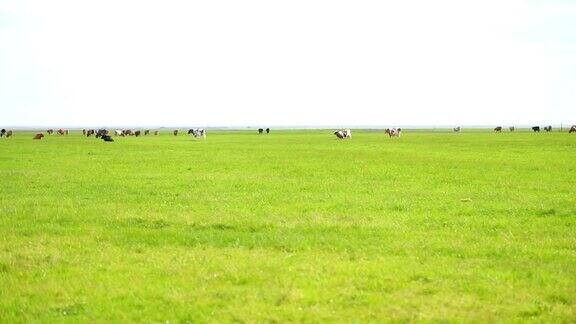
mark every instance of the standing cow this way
{"type": "Point", "coordinates": [498, 129]}
{"type": "Point", "coordinates": [175, 132]}
{"type": "Point", "coordinates": [343, 134]}
{"type": "Point", "coordinates": [156, 133]}
{"type": "Point", "coordinates": [536, 129]}
{"type": "Point", "coordinates": [146, 132]}
{"type": "Point", "coordinates": [2, 132]}
{"type": "Point", "coordinates": [84, 132]}
{"type": "Point", "coordinates": [393, 132]}
{"type": "Point", "coordinates": [512, 128]}
{"type": "Point", "coordinates": [267, 130]}
{"type": "Point", "coordinates": [137, 133]}
{"type": "Point", "coordinates": [548, 128]}
{"type": "Point", "coordinates": [260, 130]}
{"type": "Point", "coordinates": [197, 133]}
{"type": "Point", "coordinates": [572, 129]}
{"type": "Point", "coordinates": [457, 129]}
{"type": "Point", "coordinates": [9, 133]}
{"type": "Point", "coordinates": [50, 131]}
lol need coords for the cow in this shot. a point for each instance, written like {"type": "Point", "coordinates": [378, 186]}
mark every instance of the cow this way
{"type": "Point", "coordinates": [107, 138]}
{"type": "Point", "coordinates": [60, 132]}
{"type": "Point", "coordinates": [156, 132]}
{"type": "Point", "coordinates": [175, 132]}
{"type": "Point", "coordinates": [498, 129]}
{"type": "Point", "coordinates": [260, 130]}
{"type": "Point", "coordinates": [197, 133]}
{"type": "Point", "coordinates": [146, 132]}
{"type": "Point", "coordinates": [343, 134]}
{"type": "Point", "coordinates": [512, 128]}
{"type": "Point", "coordinates": [457, 129]}
{"type": "Point", "coordinates": [572, 129]}
{"type": "Point", "coordinates": [548, 128]}
{"type": "Point", "coordinates": [101, 132]}
{"type": "Point", "coordinates": [393, 132]}
{"type": "Point", "coordinates": [128, 132]}
{"type": "Point", "coordinates": [38, 136]}
{"type": "Point", "coordinates": [50, 131]}
{"type": "Point", "coordinates": [536, 129]}
{"type": "Point", "coordinates": [84, 132]}
{"type": "Point", "coordinates": [8, 133]}
{"type": "Point", "coordinates": [2, 132]}
{"type": "Point", "coordinates": [267, 130]}
{"type": "Point", "coordinates": [90, 132]}
{"type": "Point", "coordinates": [118, 132]}
{"type": "Point", "coordinates": [66, 132]}
{"type": "Point", "coordinates": [137, 133]}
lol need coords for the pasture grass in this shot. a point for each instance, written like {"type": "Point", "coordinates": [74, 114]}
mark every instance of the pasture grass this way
{"type": "Point", "coordinates": [290, 226]}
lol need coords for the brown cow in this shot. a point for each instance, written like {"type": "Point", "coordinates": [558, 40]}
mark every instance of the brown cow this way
{"type": "Point", "coordinates": [38, 136]}
{"type": "Point", "coordinates": [498, 129]}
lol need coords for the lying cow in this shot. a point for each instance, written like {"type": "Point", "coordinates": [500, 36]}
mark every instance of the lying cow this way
{"type": "Point", "coordinates": [536, 129]}
{"type": "Point", "coordinates": [107, 138]}
{"type": "Point", "coordinates": [197, 133]}
{"type": "Point", "coordinates": [343, 134]}
{"type": "Point", "coordinates": [572, 129]}
{"type": "Point", "coordinates": [498, 129]}
{"type": "Point", "coordinates": [393, 132]}
{"type": "Point", "coordinates": [38, 136]}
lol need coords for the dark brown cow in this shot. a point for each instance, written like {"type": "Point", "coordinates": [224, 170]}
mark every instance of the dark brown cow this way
{"type": "Point", "coordinates": [498, 129]}
{"type": "Point", "coordinates": [572, 129]}
{"type": "Point", "coordinates": [38, 136]}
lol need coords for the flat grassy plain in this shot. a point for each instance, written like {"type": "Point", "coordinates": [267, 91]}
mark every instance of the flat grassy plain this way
{"type": "Point", "coordinates": [290, 226]}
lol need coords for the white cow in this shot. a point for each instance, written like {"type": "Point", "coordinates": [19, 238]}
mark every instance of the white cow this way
{"type": "Point", "coordinates": [118, 132]}
{"type": "Point", "coordinates": [198, 133]}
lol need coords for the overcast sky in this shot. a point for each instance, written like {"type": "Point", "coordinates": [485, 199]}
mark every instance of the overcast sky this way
{"type": "Point", "coordinates": [288, 62]}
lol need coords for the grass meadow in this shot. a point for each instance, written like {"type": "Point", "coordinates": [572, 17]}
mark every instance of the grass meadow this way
{"type": "Point", "coordinates": [292, 226]}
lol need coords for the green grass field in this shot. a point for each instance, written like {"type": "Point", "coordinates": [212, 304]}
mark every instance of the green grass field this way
{"type": "Point", "coordinates": [290, 226]}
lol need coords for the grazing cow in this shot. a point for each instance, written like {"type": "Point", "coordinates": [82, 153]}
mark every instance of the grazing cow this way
{"type": "Point", "coordinates": [498, 129]}
{"type": "Point", "coordinates": [118, 132]}
{"type": "Point", "coordinates": [8, 133]}
{"type": "Point", "coordinates": [38, 136]}
{"type": "Point", "coordinates": [393, 132]}
{"type": "Point", "coordinates": [84, 132]}
{"type": "Point", "coordinates": [156, 132]}
{"type": "Point", "coordinates": [548, 128]}
{"type": "Point", "coordinates": [197, 133]}
{"type": "Point", "coordinates": [137, 133]}
{"type": "Point", "coordinates": [60, 132]}
{"type": "Point", "coordinates": [260, 130]}
{"type": "Point", "coordinates": [267, 130]}
{"type": "Point", "coordinates": [101, 132]}
{"type": "Point", "coordinates": [50, 131]}
{"type": "Point", "coordinates": [146, 132]}
{"type": "Point", "coordinates": [90, 132]}
{"type": "Point", "coordinates": [107, 138]}
{"type": "Point", "coordinates": [343, 134]}
{"type": "Point", "coordinates": [572, 129]}
{"type": "Point", "coordinates": [512, 128]}
{"type": "Point", "coordinates": [457, 129]}
{"type": "Point", "coordinates": [128, 132]}
{"type": "Point", "coordinates": [536, 128]}
{"type": "Point", "coordinates": [175, 132]}
{"type": "Point", "coordinates": [2, 132]}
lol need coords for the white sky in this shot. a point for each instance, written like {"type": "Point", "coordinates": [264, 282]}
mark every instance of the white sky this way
{"type": "Point", "coordinates": [290, 62]}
